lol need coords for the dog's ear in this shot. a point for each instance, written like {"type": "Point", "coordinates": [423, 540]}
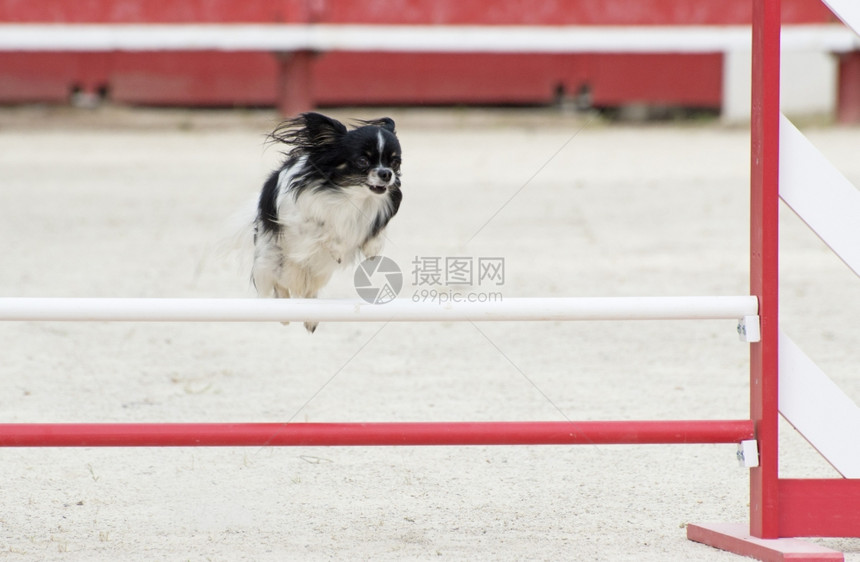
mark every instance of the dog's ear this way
{"type": "Point", "coordinates": [384, 122]}
{"type": "Point", "coordinates": [322, 130]}
{"type": "Point", "coordinates": [308, 131]}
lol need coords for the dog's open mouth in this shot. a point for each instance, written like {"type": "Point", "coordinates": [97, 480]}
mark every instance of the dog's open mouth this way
{"type": "Point", "coordinates": [377, 188]}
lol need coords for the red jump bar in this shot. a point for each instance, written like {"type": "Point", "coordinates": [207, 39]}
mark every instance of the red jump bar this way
{"type": "Point", "coordinates": [372, 434]}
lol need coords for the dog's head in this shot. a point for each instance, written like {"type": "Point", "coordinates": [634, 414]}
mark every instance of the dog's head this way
{"type": "Point", "coordinates": [367, 156]}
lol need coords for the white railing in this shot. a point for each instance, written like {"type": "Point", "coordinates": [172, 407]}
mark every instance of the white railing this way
{"type": "Point", "coordinates": [398, 310]}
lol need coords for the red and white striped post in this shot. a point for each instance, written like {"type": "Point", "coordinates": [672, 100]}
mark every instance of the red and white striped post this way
{"type": "Point", "coordinates": [764, 264]}
{"type": "Point", "coordinates": [779, 508]}
{"type": "Point", "coordinates": [764, 284]}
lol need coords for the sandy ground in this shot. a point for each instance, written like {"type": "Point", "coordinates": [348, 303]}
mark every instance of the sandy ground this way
{"type": "Point", "coordinates": [120, 203]}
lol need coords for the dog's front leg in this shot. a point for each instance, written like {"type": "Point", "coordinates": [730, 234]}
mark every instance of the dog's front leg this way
{"type": "Point", "coordinates": [372, 247]}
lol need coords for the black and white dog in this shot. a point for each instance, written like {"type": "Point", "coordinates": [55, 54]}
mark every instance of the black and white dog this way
{"type": "Point", "coordinates": [331, 198]}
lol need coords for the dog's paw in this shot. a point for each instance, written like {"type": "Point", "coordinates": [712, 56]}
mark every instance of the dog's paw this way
{"type": "Point", "coordinates": [373, 247]}
{"type": "Point", "coordinates": [311, 327]}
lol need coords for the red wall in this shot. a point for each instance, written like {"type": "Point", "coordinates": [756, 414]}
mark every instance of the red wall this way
{"type": "Point", "coordinates": [531, 12]}
{"type": "Point", "coordinates": [226, 79]}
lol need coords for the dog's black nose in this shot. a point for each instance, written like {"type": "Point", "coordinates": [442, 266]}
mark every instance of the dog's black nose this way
{"type": "Point", "coordinates": [384, 174]}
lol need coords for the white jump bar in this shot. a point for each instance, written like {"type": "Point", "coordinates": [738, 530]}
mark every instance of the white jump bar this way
{"type": "Point", "coordinates": [399, 310]}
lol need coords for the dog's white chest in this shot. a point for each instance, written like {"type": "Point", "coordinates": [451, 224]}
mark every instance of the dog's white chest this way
{"type": "Point", "coordinates": [329, 226]}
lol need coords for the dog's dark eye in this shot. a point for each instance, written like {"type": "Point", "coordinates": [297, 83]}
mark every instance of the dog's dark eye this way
{"type": "Point", "coordinates": [395, 163]}
{"type": "Point", "coordinates": [362, 162]}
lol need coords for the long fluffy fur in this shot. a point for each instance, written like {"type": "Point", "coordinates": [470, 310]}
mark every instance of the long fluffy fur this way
{"type": "Point", "coordinates": [332, 198]}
